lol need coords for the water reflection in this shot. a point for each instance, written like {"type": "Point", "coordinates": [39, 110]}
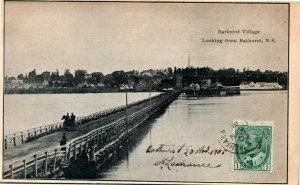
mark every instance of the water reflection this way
{"type": "Point", "coordinates": [197, 122]}
{"type": "Point", "coordinates": [121, 155]}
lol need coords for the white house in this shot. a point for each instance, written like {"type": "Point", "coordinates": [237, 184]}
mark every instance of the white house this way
{"type": "Point", "coordinates": [45, 83]}
{"type": "Point", "coordinates": [260, 86]}
{"type": "Point", "coordinates": [247, 85]}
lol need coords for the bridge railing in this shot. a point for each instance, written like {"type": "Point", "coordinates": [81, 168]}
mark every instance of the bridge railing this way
{"type": "Point", "coordinates": [48, 162]}
{"type": "Point", "coordinates": [20, 138]}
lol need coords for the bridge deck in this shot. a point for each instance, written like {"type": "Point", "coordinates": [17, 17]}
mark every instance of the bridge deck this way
{"type": "Point", "coordinates": [52, 140]}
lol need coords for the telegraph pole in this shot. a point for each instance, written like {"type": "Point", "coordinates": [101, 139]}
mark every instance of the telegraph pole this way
{"type": "Point", "coordinates": [126, 111]}
{"type": "Point", "coordinates": [150, 100]}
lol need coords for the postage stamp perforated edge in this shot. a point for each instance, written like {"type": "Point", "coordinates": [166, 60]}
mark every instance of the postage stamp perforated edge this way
{"type": "Point", "coordinates": [241, 122]}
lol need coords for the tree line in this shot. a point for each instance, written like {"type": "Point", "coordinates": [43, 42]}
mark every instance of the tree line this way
{"type": "Point", "coordinates": [230, 76]}
{"type": "Point", "coordinates": [156, 78]}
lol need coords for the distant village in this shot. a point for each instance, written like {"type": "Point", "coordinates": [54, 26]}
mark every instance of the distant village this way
{"type": "Point", "coordinates": [189, 78]}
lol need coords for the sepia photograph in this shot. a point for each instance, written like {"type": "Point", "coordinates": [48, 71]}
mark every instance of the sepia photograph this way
{"type": "Point", "coordinates": [159, 92]}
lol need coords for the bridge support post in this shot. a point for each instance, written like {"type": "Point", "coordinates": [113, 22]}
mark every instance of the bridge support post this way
{"type": "Point", "coordinates": [34, 133]}
{"type": "Point", "coordinates": [22, 137]}
{"type": "Point", "coordinates": [11, 171]}
{"type": "Point", "coordinates": [80, 148]}
{"type": "Point", "coordinates": [55, 155]}
{"type": "Point", "coordinates": [150, 101]}
{"type": "Point", "coordinates": [24, 168]}
{"type": "Point", "coordinates": [28, 135]}
{"type": "Point", "coordinates": [46, 162]}
{"type": "Point", "coordinates": [14, 139]}
{"type": "Point", "coordinates": [74, 151]}
{"type": "Point", "coordinates": [5, 142]}
{"type": "Point", "coordinates": [69, 154]}
{"type": "Point", "coordinates": [97, 137]}
{"type": "Point", "coordinates": [101, 138]}
{"type": "Point", "coordinates": [35, 166]}
{"type": "Point", "coordinates": [126, 113]}
{"type": "Point", "coordinates": [86, 144]}
{"type": "Point", "coordinates": [65, 157]}
{"type": "Point", "coordinates": [94, 141]}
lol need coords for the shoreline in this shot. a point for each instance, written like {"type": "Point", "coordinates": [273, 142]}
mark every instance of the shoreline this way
{"type": "Point", "coordinates": [92, 90]}
{"type": "Point", "coordinates": [68, 91]}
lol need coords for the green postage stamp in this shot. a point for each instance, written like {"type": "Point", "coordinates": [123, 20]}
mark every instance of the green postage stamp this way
{"type": "Point", "coordinates": [253, 146]}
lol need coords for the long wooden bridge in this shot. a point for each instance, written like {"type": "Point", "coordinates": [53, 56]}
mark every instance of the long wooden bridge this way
{"type": "Point", "coordinates": [37, 153]}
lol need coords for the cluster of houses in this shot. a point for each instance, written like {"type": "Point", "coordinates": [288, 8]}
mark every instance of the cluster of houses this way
{"type": "Point", "coordinates": [141, 86]}
{"type": "Point", "coordinates": [85, 84]}
{"type": "Point", "coordinates": [205, 84]}
{"type": "Point", "coordinates": [19, 84]}
{"type": "Point", "coordinates": [14, 83]}
{"type": "Point", "coordinates": [260, 86]}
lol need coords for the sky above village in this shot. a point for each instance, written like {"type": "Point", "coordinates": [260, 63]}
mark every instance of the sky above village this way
{"type": "Point", "coordinates": [106, 37]}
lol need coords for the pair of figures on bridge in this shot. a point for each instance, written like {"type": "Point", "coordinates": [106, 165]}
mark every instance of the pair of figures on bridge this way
{"type": "Point", "coordinates": [69, 121]}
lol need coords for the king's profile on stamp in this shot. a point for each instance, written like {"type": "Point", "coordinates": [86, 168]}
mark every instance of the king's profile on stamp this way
{"type": "Point", "coordinates": [253, 148]}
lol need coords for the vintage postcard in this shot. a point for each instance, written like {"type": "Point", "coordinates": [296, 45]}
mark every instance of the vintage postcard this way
{"type": "Point", "coordinates": [149, 92]}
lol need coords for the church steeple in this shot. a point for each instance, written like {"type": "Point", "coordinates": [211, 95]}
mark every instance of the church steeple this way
{"type": "Point", "coordinates": [189, 62]}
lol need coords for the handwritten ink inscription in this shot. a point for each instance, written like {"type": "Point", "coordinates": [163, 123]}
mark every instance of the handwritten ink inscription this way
{"type": "Point", "coordinates": [169, 163]}
{"type": "Point", "coordinates": [186, 151]}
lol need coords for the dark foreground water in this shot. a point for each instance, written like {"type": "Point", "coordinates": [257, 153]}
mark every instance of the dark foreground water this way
{"type": "Point", "coordinates": [195, 124]}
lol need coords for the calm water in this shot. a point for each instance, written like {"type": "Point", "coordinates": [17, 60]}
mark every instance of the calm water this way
{"type": "Point", "coordinates": [197, 122]}
{"type": "Point", "coordinates": [25, 111]}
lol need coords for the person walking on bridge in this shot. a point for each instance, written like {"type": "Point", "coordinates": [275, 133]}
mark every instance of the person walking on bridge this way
{"type": "Point", "coordinates": [73, 117]}
{"type": "Point", "coordinates": [63, 140]}
{"type": "Point", "coordinates": [66, 119]}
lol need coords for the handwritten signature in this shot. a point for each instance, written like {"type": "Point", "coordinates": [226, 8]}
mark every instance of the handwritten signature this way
{"type": "Point", "coordinates": [185, 149]}
{"type": "Point", "coordinates": [170, 163]}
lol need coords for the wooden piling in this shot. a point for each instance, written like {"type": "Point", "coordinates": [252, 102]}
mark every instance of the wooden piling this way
{"type": "Point", "coordinates": [74, 151]}
{"type": "Point", "coordinates": [98, 136]}
{"type": "Point", "coordinates": [22, 137]}
{"type": "Point", "coordinates": [5, 142]}
{"type": "Point", "coordinates": [24, 168]}
{"type": "Point", "coordinates": [126, 113]}
{"type": "Point", "coordinates": [14, 139]}
{"type": "Point", "coordinates": [86, 144]}
{"type": "Point", "coordinates": [11, 171]}
{"type": "Point", "coordinates": [69, 154]}
{"type": "Point", "coordinates": [80, 148]}
{"type": "Point", "coordinates": [55, 155]}
{"type": "Point", "coordinates": [46, 162]}
{"type": "Point", "coordinates": [66, 155]}
{"type": "Point", "coordinates": [35, 166]}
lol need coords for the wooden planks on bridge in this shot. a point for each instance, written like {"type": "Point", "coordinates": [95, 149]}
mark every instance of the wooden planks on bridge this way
{"type": "Point", "coordinates": [34, 155]}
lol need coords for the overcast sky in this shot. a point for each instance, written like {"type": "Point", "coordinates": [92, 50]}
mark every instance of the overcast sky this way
{"type": "Point", "coordinates": [123, 36]}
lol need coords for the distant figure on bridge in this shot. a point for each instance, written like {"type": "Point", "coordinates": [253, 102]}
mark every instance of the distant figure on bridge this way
{"type": "Point", "coordinates": [91, 153]}
{"type": "Point", "coordinates": [66, 119]}
{"type": "Point", "coordinates": [73, 117]}
{"type": "Point", "coordinates": [63, 140]}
